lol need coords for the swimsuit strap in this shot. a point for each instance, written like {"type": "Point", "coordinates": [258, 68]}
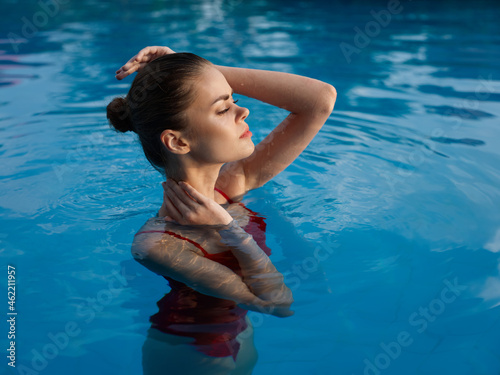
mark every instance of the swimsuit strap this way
{"type": "Point", "coordinates": [177, 236]}
{"type": "Point", "coordinates": [224, 195]}
{"type": "Point", "coordinates": [252, 213]}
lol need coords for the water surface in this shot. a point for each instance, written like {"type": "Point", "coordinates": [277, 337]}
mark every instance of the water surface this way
{"type": "Point", "coordinates": [387, 227]}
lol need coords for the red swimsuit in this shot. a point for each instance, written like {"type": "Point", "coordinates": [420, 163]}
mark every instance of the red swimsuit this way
{"type": "Point", "coordinates": [214, 323]}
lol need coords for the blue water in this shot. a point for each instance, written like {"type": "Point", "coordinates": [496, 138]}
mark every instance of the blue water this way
{"type": "Point", "coordinates": [387, 227]}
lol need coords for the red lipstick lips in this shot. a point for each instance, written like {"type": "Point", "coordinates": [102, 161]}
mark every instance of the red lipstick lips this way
{"type": "Point", "coordinates": [247, 133]}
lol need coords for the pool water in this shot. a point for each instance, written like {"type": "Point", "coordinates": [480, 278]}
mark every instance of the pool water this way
{"type": "Point", "coordinates": [387, 227]}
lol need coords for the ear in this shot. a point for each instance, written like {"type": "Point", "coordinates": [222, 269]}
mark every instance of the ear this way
{"type": "Point", "coordinates": [175, 142]}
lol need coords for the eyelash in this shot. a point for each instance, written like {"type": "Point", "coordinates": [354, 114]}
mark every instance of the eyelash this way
{"type": "Point", "coordinates": [227, 109]}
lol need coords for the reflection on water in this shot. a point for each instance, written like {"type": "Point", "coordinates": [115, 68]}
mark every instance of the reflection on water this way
{"type": "Point", "coordinates": [404, 176]}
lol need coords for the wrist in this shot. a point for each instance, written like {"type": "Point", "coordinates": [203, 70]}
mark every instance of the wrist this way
{"type": "Point", "coordinates": [230, 229]}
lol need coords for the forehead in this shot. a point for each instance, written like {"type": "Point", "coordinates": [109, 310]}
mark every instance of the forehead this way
{"type": "Point", "coordinates": [209, 86]}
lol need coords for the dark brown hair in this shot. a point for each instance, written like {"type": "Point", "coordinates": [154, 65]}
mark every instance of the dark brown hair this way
{"type": "Point", "coordinates": [157, 100]}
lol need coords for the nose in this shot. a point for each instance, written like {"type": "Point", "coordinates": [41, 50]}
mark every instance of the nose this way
{"type": "Point", "coordinates": [242, 113]}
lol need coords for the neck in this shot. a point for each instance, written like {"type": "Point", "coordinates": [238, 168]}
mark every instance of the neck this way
{"type": "Point", "coordinates": [202, 178]}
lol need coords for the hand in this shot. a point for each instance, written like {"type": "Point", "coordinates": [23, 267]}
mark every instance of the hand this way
{"type": "Point", "coordinates": [268, 307]}
{"type": "Point", "coordinates": [140, 60]}
{"type": "Point", "coordinates": [184, 204]}
{"type": "Point", "coordinates": [278, 302]}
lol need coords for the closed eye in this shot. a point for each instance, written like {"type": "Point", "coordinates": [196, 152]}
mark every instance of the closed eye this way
{"type": "Point", "coordinates": [227, 109]}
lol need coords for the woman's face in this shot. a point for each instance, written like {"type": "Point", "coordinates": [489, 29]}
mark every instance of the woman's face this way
{"type": "Point", "coordinates": [217, 122]}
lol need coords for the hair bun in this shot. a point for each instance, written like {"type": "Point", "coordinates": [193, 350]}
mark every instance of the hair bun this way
{"type": "Point", "coordinates": [118, 114]}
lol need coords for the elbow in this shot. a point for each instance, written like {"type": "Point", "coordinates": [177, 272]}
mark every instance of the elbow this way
{"type": "Point", "coordinates": [147, 257]}
{"type": "Point", "coordinates": [138, 253]}
{"type": "Point", "coordinates": [332, 94]}
{"type": "Point", "coordinates": [325, 98]}
{"type": "Point", "coordinates": [329, 97]}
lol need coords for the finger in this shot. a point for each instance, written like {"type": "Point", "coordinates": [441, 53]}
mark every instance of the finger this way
{"type": "Point", "coordinates": [283, 314]}
{"type": "Point", "coordinates": [195, 194]}
{"type": "Point", "coordinates": [131, 64]}
{"type": "Point", "coordinates": [142, 59]}
{"type": "Point", "coordinates": [172, 211]}
{"type": "Point", "coordinates": [176, 201]}
{"type": "Point", "coordinates": [121, 73]}
{"type": "Point", "coordinates": [149, 53]}
{"type": "Point", "coordinates": [172, 214]}
{"type": "Point", "coordinates": [146, 57]}
{"type": "Point", "coordinates": [134, 67]}
{"type": "Point", "coordinates": [137, 62]}
{"type": "Point", "coordinates": [184, 201]}
{"type": "Point", "coordinates": [163, 212]}
{"type": "Point", "coordinates": [144, 51]}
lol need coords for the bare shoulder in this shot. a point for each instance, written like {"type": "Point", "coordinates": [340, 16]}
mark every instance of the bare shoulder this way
{"type": "Point", "coordinates": [145, 244]}
{"type": "Point", "coordinates": [231, 181]}
{"type": "Point", "coordinates": [153, 240]}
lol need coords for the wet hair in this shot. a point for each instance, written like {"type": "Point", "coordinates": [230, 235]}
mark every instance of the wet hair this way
{"type": "Point", "coordinates": [157, 100]}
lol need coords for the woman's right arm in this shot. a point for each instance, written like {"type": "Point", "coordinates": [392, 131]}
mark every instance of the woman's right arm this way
{"type": "Point", "coordinates": [187, 206]}
{"type": "Point", "coordinates": [177, 259]}
{"type": "Point", "coordinates": [257, 270]}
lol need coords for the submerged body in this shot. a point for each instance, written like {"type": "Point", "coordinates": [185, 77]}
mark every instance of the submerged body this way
{"type": "Point", "coordinates": [187, 319]}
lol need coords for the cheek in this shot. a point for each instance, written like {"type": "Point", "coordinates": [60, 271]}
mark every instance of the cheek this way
{"type": "Point", "coordinates": [223, 131]}
{"type": "Point", "coordinates": [216, 140]}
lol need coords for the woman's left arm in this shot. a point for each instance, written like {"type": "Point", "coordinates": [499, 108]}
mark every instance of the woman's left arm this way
{"type": "Point", "coordinates": [309, 102]}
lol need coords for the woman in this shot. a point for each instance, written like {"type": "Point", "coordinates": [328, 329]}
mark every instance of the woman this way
{"type": "Point", "coordinates": [204, 241]}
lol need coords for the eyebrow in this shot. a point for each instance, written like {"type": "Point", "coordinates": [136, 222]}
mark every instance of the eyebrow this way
{"type": "Point", "coordinates": [222, 97]}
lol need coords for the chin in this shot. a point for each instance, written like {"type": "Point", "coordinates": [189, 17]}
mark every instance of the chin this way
{"type": "Point", "coordinates": [245, 153]}
{"type": "Point", "coordinates": [250, 150]}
